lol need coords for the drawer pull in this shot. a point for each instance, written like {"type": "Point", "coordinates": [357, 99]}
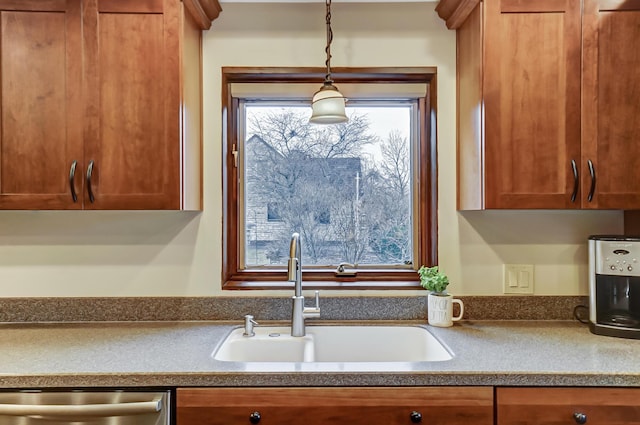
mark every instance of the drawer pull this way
{"type": "Point", "coordinates": [576, 180]}
{"type": "Point", "coordinates": [592, 173]}
{"type": "Point", "coordinates": [255, 417]}
{"type": "Point", "coordinates": [92, 198]}
{"type": "Point", "coordinates": [580, 418]}
{"type": "Point", "coordinates": [72, 176]}
{"type": "Point", "coordinates": [416, 417]}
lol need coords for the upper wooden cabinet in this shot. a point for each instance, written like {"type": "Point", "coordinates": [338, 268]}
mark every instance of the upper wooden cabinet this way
{"type": "Point", "coordinates": [545, 105]}
{"type": "Point", "coordinates": [132, 97]}
{"type": "Point", "coordinates": [610, 102]}
{"type": "Point", "coordinates": [40, 103]}
{"type": "Point", "coordinates": [101, 104]}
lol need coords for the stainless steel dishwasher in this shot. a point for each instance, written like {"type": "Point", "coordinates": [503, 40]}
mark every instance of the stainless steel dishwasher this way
{"type": "Point", "coordinates": [114, 407]}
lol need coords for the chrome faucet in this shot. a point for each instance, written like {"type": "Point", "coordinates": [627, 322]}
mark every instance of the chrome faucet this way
{"type": "Point", "coordinates": [300, 312]}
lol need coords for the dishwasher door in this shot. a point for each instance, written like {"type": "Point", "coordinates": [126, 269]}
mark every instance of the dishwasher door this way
{"type": "Point", "coordinates": [116, 407]}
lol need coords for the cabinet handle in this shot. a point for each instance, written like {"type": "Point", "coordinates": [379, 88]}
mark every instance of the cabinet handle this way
{"type": "Point", "coordinates": [592, 172]}
{"type": "Point", "coordinates": [576, 180]}
{"type": "Point", "coordinates": [89, 189]}
{"type": "Point", "coordinates": [59, 413]}
{"type": "Point", "coordinates": [580, 418]}
{"type": "Point", "coordinates": [72, 175]}
{"type": "Point", "coordinates": [416, 417]}
{"type": "Point", "coordinates": [255, 417]}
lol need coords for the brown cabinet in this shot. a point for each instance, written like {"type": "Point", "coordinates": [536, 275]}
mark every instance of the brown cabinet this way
{"type": "Point", "coordinates": [545, 105]}
{"type": "Point", "coordinates": [339, 405]}
{"type": "Point", "coordinates": [610, 106]}
{"type": "Point", "coordinates": [41, 103]}
{"type": "Point", "coordinates": [592, 406]}
{"type": "Point", "coordinates": [101, 104]}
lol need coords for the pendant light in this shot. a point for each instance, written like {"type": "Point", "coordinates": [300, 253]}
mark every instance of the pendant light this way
{"type": "Point", "coordinates": [328, 104]}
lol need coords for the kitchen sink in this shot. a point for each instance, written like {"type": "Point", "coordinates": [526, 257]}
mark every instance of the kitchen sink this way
{"type": "Point", "coordinates": [333, 343]}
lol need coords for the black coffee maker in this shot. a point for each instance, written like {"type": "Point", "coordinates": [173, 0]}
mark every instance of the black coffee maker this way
{"type": "Point", "coordinates": [614, 285]}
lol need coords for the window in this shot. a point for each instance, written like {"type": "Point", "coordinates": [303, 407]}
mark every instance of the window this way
{"type": "Point", "coordinates": [273, 212]}
{"type": "Point", "coordinates": [362, 192]}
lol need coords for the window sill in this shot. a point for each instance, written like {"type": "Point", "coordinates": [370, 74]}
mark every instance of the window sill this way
{"type": "Point", "coordinates": [360, 285]}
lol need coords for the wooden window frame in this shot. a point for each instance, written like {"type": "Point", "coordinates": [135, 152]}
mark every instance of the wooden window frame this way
{"type": "Point", "coordinates": [235, 278]}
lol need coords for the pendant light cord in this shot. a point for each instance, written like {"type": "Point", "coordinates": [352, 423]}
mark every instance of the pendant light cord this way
{"type": "Point", "coordinates": [327, 78]}
{"type": "Point", "coordinates": [328, 104]}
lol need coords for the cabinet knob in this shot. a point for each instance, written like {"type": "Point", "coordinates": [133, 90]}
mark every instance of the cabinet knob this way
{"type": "Point", "coordinates": [255, 417]}
{"type": "Point", "coordinates": [416, 417]}
{"type": "Point", "coordinates": [580, 418]}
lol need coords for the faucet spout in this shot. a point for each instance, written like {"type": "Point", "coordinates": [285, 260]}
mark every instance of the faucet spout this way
{"type": "Point", "coordinates": [294, 272]}
{"type": "Point", "coordinates": [295, 264]}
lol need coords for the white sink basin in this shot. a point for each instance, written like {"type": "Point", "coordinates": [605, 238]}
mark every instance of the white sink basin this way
{"type": "Point", "coordinates": [269, 344]}
{"type": "Point", "coordinates": [375, 344]}
{"type": "Point", "coordinates": [342, 344]}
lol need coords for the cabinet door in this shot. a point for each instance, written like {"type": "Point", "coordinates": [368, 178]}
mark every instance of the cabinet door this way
{"type": "Point", "coordinates": [593, 406]}
{"type": "Point", "coordinates": [532, 103]}
{"type": "Point", "coordinates": [321, 406]}
{"type": "Point", "coordinates": [40, 109]}
{"type": "Point", "coordinates": [132, 92]}
{"type": "Point", "coordinates": [611, 89]}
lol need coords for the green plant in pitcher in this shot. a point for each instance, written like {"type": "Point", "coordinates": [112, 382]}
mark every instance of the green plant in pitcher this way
{"type": "Point", "coordinates": [433, 279]}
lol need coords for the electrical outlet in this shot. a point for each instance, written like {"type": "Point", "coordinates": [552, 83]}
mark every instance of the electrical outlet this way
{"type": "Point", "coordinates": [518, 279]}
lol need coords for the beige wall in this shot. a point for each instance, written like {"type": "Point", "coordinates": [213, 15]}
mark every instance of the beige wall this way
{"type": "Point", "coordinates": [178, 254]}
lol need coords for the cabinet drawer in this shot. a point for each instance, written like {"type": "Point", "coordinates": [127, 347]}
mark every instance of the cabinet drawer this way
{"type": "Point", "coordinates": [592, 406]}
{"type": "Point", "coordinates": [339, 405]}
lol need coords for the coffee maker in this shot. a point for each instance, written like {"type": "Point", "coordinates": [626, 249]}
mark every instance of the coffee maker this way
{"type": "Point", "coordinates": [614, 285]}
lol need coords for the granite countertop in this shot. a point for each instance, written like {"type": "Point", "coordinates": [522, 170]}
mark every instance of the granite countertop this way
{"type": "Point", "coordinates": [143, 354]}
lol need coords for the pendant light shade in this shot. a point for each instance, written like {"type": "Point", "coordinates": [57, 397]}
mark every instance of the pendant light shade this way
{"type": "Point", "coordinates": [328, 104]}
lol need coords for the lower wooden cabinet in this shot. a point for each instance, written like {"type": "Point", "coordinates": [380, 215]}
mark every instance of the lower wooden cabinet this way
{"type": "Point", "coordinates": [335, 405]}
{"type": "Point", "coordinates": [557, 406]}
{"type": "Point", "coordinates": [408, 405]}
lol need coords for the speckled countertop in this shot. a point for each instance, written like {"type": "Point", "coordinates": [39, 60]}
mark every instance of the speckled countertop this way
{"type": "Point", "coordinates": [142, 354]}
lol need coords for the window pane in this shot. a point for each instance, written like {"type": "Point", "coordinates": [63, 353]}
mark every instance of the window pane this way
{"type": "Point", "coordinates": [345, 188]}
